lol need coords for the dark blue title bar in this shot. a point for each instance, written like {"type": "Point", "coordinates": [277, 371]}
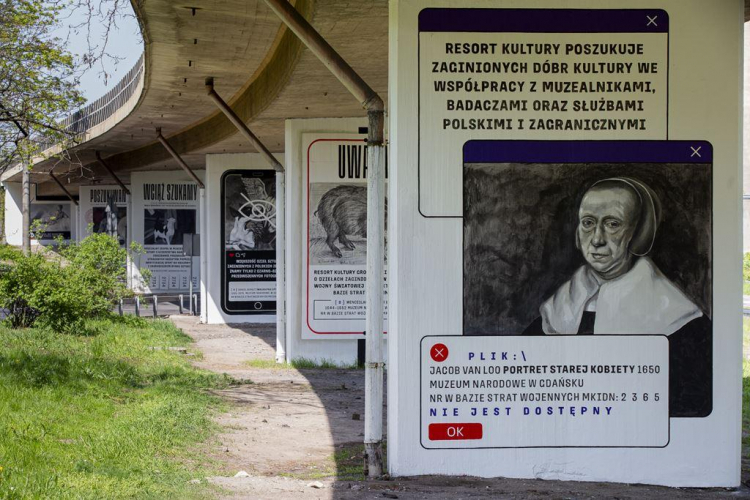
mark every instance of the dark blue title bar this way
{"type": "Point", "coordinates": [588, 152]}
{"type": "Point", "coordinates": [545, 20]}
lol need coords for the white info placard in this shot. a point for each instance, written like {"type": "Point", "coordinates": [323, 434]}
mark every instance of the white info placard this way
{"type": "Point", "coordinates": [335, 231]}
{"type": "Point", "coordinates": [545, 391]}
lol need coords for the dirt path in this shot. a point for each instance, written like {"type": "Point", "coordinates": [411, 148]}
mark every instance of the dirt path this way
{"type": "Point", "coordinates": [288, 428]}
{"type": "Point", "coordinates": [297, 434]}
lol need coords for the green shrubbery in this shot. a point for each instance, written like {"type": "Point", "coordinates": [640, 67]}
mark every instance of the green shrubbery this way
{"type": "Point", "coordinates": [8, 252]}
{"type": "Point", "coordinates": [61, 290]}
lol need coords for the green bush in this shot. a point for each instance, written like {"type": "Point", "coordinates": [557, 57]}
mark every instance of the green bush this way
{"type": "Point", "coordinates": [99, 263]}
{"type": "Point", "coordinates": [746, 267]}
{"type": "Point", "coordinates": [61, 291]}
{"type": "Point", "coordinates": [18, 283]}
{"type": "Point", "coordinates": [8, 252]}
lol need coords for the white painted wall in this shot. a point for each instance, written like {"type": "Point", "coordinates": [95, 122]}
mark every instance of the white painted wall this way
{"type": "Point", "coordinates": [13, 215]}
{"type": "Point", "coordinates": [426, 255]}
{"type": "Point", "coordinates": [216, 165]}
{"type": "Point", "coordinates": [339, 351]}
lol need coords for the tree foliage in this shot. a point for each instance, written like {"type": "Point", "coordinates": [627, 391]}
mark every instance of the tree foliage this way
{"type": "Point", "coordinates": [62, 290]}
{"type": "Point", "coordinates": [37, 82]}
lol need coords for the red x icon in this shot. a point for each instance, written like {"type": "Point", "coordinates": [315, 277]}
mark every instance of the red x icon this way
{"type": "Point", "coordinates": [439, 352]}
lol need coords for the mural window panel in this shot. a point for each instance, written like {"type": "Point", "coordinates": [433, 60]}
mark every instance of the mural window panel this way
{"type": "Point", "coordinates": [594, 238]}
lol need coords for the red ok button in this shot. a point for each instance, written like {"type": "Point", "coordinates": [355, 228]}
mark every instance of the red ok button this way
{"type": "Point", "coordinates": [454, 432]}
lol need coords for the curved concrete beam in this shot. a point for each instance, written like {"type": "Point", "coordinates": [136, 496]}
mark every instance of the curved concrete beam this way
{"type": "Point", "coordinates": [256, 96]}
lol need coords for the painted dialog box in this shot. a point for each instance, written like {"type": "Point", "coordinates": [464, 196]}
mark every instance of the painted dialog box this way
{"type": "Point", "coordinates": [608, 339]}
{"type": "Point", "coordinates": [533, 73]}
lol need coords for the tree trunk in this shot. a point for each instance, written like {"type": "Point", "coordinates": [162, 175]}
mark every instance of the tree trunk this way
{"type": "Point", "coordinates": [25, 210]}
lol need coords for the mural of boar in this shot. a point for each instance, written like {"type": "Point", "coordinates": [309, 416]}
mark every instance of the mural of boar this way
{"type": "Point", "coordinates": [343, 211]}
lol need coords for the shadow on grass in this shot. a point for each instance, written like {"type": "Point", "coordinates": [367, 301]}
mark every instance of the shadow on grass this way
{"type": "Point", "coordinates": [48, 369]}
{"type": "Point", "coordinates": [40, 369]}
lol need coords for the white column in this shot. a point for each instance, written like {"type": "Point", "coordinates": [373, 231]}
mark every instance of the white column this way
{"type": "Point", "coordinates": [280, 267]}
{"type": "Point", "coordinates": [374, 296]}
{"type": "Point", "coordinates": [204, 274]}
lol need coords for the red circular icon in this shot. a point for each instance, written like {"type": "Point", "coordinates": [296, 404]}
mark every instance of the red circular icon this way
{"type": "Point", "coordinates": [439, 352]}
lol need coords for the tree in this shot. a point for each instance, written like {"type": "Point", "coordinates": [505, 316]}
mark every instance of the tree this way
{"type": "Point", "coordinates": [37, 82]}
{"type": "Point", "coordinates": [97, 20]}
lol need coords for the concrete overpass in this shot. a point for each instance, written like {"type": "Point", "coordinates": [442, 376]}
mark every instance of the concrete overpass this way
{"type": "Point", "coordinates": [259, 67]}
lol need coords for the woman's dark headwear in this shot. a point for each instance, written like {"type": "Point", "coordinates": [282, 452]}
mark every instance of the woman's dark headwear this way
{"type": "Point", "coordinates": [649, 216]}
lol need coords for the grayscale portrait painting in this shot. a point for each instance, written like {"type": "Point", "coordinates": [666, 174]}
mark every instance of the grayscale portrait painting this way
{"type": "Point", "coordinates": [585, 249]}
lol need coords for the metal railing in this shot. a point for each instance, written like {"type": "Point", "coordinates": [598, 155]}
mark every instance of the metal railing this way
{"type": "Point", "coordinates": [99, 110]}
{"type": "Point", "coordinates": [159, 305]}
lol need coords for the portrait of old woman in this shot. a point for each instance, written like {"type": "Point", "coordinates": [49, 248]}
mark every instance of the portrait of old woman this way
{"type": "Point", "coordinates": [619, 290]}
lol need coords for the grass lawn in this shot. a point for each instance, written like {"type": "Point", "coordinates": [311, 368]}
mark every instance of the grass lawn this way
{"type": "Point", "coordinates": [103, 415]}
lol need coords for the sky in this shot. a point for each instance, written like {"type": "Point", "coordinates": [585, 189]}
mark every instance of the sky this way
{"type": "Point", "coordinates": [125, 42]}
